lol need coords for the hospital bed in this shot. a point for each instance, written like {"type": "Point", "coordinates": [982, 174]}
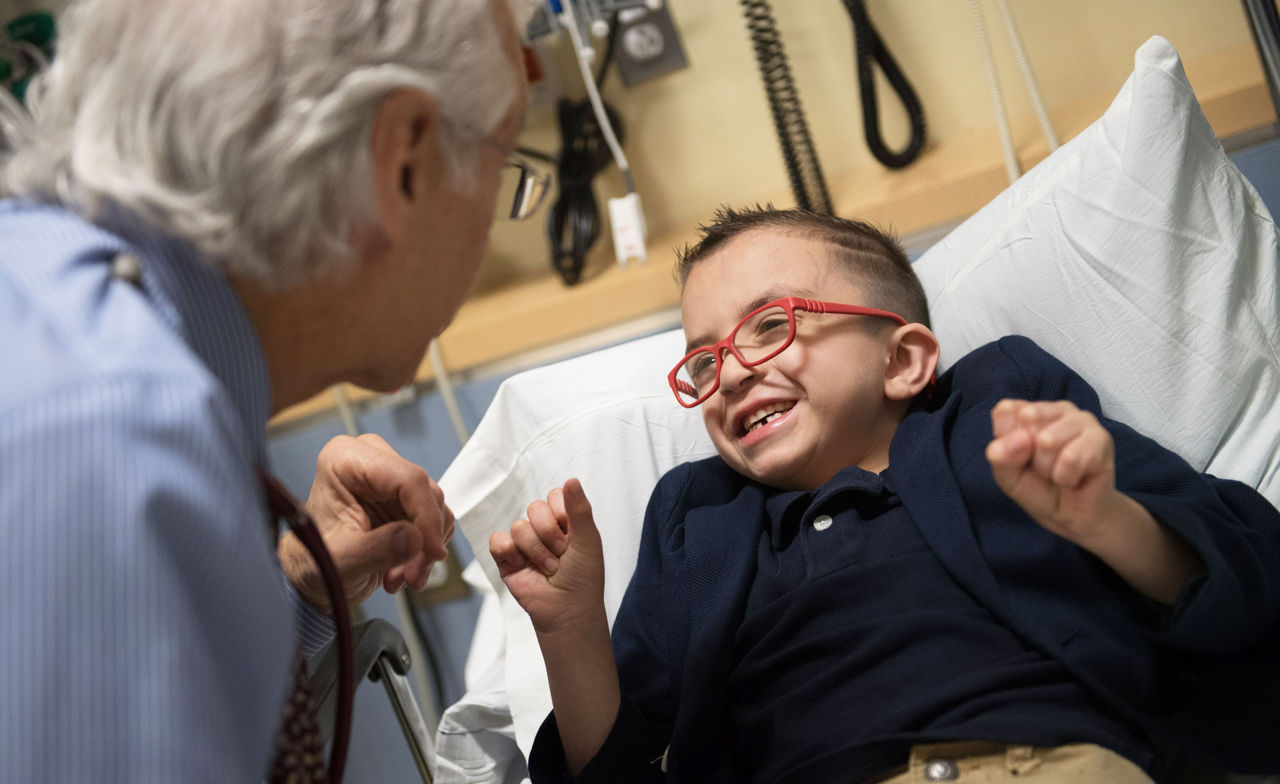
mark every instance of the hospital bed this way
{"type": "Point", "coordinates": [1137, 253]}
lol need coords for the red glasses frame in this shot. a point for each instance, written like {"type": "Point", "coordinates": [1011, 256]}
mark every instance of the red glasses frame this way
{"type": "Point", "coordinates": [790, 305]}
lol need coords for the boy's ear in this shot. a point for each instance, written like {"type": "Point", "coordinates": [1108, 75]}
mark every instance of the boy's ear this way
{"type": "Point", "coordinates": [913, 359]}
{"type": "Point", "coordinates": [403, 131]}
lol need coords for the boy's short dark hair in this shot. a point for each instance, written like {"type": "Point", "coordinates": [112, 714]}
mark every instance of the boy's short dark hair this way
{"type": "Point", "coordinates": [873, 259]}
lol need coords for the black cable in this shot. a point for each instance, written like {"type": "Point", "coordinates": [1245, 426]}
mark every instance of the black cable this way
{"type": "Point", "coordinates": [607, 58]}
{"type": "Point", "coordinates": [573, 225]}
{"type": "Point", "coordinates": [803, 168]}
{"type": "Point", "coordinates": [870, 47]}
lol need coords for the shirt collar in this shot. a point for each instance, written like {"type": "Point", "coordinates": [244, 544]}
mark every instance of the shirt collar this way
{"type": "Point", "coordinates": [786, 508]}
{"type": "Point", "coordinates": [198, 302]}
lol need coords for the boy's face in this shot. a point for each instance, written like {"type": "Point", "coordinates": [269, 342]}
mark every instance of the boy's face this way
{"type": "Point", "coordinates": [829, 385]}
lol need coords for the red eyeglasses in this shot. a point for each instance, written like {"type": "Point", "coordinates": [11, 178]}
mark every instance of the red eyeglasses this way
{"type": "Point", "coordinates": [762, 335]}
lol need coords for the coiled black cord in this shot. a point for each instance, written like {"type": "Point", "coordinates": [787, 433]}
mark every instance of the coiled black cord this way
{"type": "Point", "coordinates": [870, 47]}
{"type": "Point", "coordinates": [798, 153]}
{"type": "Point", "coordinates": [574, 223]}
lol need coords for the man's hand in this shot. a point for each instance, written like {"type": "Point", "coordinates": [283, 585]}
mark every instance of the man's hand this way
{"type": "Point", "coordinates": [383, 519]}
{"type": "Point", "coordinates": [1057, 462]}
{"type": "Point", "coordinates": [552, 561]}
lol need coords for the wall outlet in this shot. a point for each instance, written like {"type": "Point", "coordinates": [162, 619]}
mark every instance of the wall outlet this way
{"type": "Point", "coordinates": [647, 46]}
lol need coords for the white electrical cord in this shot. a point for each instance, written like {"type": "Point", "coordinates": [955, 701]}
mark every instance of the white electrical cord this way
{"type": "Point", "coordinates": [1012, 168]}
{"type": "Point", "coordinates": [1028, 76]}
{"type": "Point", "coordinates": [570, 23]}
{"type": "Point", "coordinates": [345, 413]}
{"type": "Point", "coordinates": [447, 394]}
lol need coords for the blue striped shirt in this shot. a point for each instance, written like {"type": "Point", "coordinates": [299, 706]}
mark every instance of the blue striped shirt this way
{"type": "Point", "coordinates": [144, 634]}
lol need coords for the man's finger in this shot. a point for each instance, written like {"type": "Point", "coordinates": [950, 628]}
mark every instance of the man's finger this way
{"type": "Point", "coordinates": [364, 552]}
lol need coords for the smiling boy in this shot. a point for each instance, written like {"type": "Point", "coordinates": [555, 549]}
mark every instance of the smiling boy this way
{"type": "Point", "coordinates": [884, 579]}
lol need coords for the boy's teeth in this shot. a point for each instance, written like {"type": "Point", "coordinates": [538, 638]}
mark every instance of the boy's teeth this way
{"type": "Point", "coordinates": [765, 421]}
{"type": "Point", "coordinates": [765, 415]}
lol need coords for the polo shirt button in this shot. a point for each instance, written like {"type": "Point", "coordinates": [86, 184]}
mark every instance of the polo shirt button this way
{"type": "Point", "coordinates": [941, 770]}
{"type": "Point", "coordinates": [821, 522]}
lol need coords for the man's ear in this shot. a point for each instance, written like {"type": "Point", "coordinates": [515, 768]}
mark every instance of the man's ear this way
{"type": "Point", "coordinates": [913, 359]}
{"type": "Point", "coordinates": [404, 127]}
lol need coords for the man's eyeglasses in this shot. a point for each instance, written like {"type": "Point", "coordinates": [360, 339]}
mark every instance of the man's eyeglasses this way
{"type": "Point", "coordinates": [523, 186]}
{"type": "Point", "coordinates": [762, 335]}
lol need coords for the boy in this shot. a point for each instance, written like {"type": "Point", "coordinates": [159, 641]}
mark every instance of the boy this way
{"type": "Point", "coordinates": [884, 579]}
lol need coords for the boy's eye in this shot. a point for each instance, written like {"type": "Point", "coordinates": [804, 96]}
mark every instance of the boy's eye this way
{"type": "Point", "coordinates": [701, 369]}
{"type": "Point", "coordinates": [772, 324]}
{"type": "Point", "coordinates": [764, 329]}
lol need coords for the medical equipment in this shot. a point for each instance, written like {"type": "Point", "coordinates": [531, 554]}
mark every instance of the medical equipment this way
{"type": "Point", "coordinates": [870, 47]}
{"type": "Point", "coordinates": [284, 507]}
{"type": "Point", "coordinates": [804, 170]}
{"type": "Point", "coordinates": [625, 213]}
{"type": "Point", "coordinates": [574, 223]}
{"type": "Point", "coordinates": [591, 132]}
{"type": "Point", "coordinates": [1137, 253]}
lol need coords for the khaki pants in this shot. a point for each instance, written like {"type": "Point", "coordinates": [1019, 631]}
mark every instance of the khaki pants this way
{"type": "Point", "coordinates": [981, 762]}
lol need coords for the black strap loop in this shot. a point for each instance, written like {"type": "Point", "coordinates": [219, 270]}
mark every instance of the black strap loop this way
{"type": "Point", "coordinates": [871, 47]}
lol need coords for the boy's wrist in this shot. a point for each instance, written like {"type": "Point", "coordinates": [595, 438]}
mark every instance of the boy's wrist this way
{"type": "Point", "coordinates": [1120, 526]}
{"type": "Point", "coordinates": [1153, 559]}
{"type": "Point", "coordinates": [572, 628]}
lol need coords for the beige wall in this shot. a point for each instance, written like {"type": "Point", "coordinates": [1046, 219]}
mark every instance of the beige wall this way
{"type": "Point", "coordinates": [703, 136]}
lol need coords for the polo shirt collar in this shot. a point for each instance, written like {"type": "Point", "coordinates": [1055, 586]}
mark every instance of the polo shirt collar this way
{"type": "Point", "coordinates": [786, 508]}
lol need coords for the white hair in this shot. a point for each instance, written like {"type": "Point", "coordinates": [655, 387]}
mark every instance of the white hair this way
{"type": "Point", "coordinates": [243, 126]}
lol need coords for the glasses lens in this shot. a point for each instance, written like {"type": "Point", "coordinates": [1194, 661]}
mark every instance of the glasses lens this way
{"type": "Point", "coordinates": [521, 189]}
{"type": "Point", "coordinates": [763, 334]}
{"type": "Point", "coordinates": [696, 376]}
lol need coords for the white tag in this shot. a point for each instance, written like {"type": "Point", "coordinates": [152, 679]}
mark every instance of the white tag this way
{"type": "Point", "coordinates": [627, 220]}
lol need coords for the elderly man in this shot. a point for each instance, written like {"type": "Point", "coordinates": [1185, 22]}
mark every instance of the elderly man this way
{"type": "Point", "coordinates": [219, 209]}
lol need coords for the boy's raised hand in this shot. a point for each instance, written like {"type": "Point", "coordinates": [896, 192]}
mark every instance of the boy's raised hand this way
{"type": "Point", "coordinates": [1057, 462]}
{"type": "Point", "coordinates": [552, 560]}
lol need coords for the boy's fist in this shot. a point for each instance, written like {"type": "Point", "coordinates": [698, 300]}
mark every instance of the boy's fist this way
{"type": "Point", "coordinates": [1057, 462]}
{"type": "Point", "coordinates": [552, 560]}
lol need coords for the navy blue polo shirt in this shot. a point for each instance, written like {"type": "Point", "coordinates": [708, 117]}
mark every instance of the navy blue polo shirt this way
{"type": "Point", "coordinates": [857, 643]}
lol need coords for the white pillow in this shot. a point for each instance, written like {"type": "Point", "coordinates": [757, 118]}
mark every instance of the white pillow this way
{"type": "Point", "coordinates": [1136, 253]}
{"type": "Point", "coordinates": [1140, 256]}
